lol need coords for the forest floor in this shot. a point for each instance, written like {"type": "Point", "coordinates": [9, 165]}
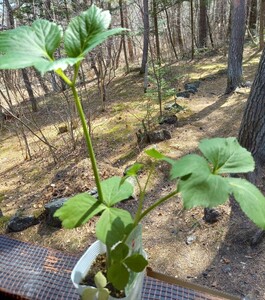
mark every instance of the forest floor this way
{"type": "Point", "coordinates": [178, 242]}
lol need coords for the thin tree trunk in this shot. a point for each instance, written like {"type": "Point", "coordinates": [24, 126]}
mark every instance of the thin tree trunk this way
{"type": "Point", "coordinates": [202, 41]}
{"type": "Point", "coordinates": [192, 29]}
{"type": "Point", "coordinates": [157, 72]}
{"type": "Point", "coordinates": [236, 46]}
{"type": "Point", "coordinates": [157, 44]}
{"type": "Point", "coordinates": [109, 43]}
{"type": "Point", "coordinates": [54, 83]}
{"type": "Point", "coordinates": [29, 90]}
{"type": "Point", "coordinates": [252, 21]}
{"type": "Point", "coordinates": [118, 55]}
{"type": "Point", "coordinates": [170, 35]}
{"type": "Point", "coordinates": [10, 17]}
{"type": "Point", "coordinates": [123, 37]}
{"type": "Point", "coordinates": [25, 139]}
{"type": "Point", "coordinates": [41, 81]}
{"type": "Point", "coordinates": [261, 25]}
{"type": "Point", "coordinates": [146, 36]}
{"type": "Point", "coordinates": [210, 31]}
{"type": "Point", "coordinates": [129, 38]}
{"type": "Point", "coordinates": [178, 29]}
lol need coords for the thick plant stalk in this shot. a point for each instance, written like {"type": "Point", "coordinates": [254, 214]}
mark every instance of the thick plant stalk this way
{"type": "Point", "coordinates": [88, 142]}
{"type": "Point", "coordinates": [85, 130]}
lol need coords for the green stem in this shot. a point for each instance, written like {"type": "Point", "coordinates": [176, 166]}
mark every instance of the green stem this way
{"type": "Point", "coordinates": [85, 129]}
{"type": "Point", "coordinates": [76, 68]}
{"type": "Point", "coordinates": [64, 77]}
{"type": "Point", "coordinates": [141, 197]}
{"type": "Point", "coordinates": [148, 210]}
{"type": "Point", "coordinates": [88, 143]}
{"type": "Point", "coordinates": [157, 203]}
{"type": "Point", "coordinates": [140, 204]}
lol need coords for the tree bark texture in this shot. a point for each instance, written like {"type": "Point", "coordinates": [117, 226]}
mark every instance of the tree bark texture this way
{"type": "Point", "coordinates": [261, 24]}
{"type": "Point", "coordinates": [146, 36]}
{"type": "Point", "coordinates": [129, 38]}
{"type": "Point", "coordinates": [157, 43]}
{"type": "Point", "coordinates": [202, 41]}
{"type": "Point", "coordinates": [252, 128]}
{"type": "Point", "coordinates": [10, 16]}
{"type": "Point", "coordinates": [178, 29]}
{"type": "Point", "coordinates": [170, 35]}
{"type": "Point", "coordinates": [29, 90]}
{"type": "Point", "coordinates": [252, 22]}
{"type": "Point", "coordinates": [192, 29]}
{"type": "Point", "coordinates": [236, 45]}
{"type": "Point", "coordinates": [123, 37]}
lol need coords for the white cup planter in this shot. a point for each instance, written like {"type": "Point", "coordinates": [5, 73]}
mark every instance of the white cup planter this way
{"type": "Point", "coordinates": [83, 265]}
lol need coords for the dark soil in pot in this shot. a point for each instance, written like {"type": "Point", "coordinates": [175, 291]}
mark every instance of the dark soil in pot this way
{"type": "Point", "coordinates": [100, 265]}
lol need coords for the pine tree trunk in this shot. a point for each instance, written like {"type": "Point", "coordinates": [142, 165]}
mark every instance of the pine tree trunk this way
{"type": "Point", "coordinates": [252, 128]}
{"type": "Point", "coordinates": [157, 43]}
{"type": "Point", "coordinates": [202, 41]}
{"type": "Point", "coordinates": [146, 36]}
{"type": "Point", "coordinates": [178, 29]}
{"type": "Point", "coordinates": [192, 29]}
{"type": "Point", "coordinates": [236, 46]}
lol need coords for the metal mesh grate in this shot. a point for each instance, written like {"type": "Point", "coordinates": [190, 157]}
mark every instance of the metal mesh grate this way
{"type": "Point", "coordinates": [37, 273]}
{"type": "Point", "coordinates": [33, 272]}
{"type": "Point", "coordinates": [158, 290]}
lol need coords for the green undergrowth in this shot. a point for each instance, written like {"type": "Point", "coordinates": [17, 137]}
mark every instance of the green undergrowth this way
{"type": "Point", "coordinates": [2, 197]}
{"type": "Point", "coordinates": [3, 223]}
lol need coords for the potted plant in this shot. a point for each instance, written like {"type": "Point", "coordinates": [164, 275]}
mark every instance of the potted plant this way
{"type": "Point", "coordinates": [201, 180]}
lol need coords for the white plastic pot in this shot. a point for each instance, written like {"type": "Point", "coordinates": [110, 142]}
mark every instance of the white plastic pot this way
{"type": "Point", "coordinates": [84, 264]}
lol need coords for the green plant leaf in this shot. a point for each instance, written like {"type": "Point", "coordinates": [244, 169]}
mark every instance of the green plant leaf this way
{"type": "Point", "coordinates": [202, 189]}
{"type": "Point", "coordinates": [89, 294]}
{"type": "Point", "coordinates": [100, 280]}
{"type": "Point", "coordinates": [28, 46]}
{"type": "Point", "coordinates": [48, 35]}
{"type": "Point", "coordinates": [78, 210]}
{"type": "Point", "coordinates": [227, 156]}
{"type": "Point", "coordinates": [87, 31]}
{"type": "Point", "coordinates": [154, 153]}
{"type": "Point", "coordinates": [187, 165]}
{"type": "Point", "coordinates": [113, 191]}
{"type": "Point", "coordinates": [136, 262]}
{"type": "Point", "coordinates": [103, 294]}
{"type": "Point", "coordinates": [120, 252]}
{"type": "Point", "coordinates": [112, 224]}
{"type": "Point", "coordinates": [134, 169]}
{"type": "Point", "coordinates": [250, 199]}
{"type": "Point", "coordinates": [118, 275]}
{"type": "Point", "coordinates": [61, 63]}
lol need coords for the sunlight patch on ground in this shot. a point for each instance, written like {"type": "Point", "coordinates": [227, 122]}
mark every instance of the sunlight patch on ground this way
{"type": "Point", "coordinates": [210, 67]}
